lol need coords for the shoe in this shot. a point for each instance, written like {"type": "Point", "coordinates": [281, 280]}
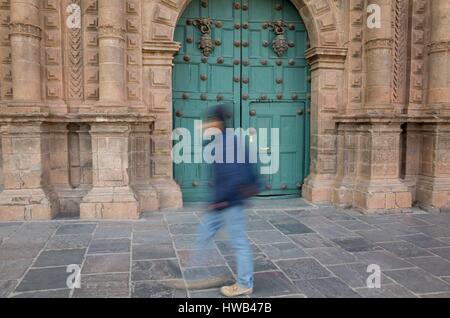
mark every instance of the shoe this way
{"type": "Point", "coordinates": [235, 290]}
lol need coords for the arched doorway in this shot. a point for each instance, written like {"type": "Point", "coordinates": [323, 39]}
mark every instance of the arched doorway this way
{"type": "Point", "coordinates": [252, 57]}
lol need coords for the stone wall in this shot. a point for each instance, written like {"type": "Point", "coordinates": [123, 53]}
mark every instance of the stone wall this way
{"type": "Point", "coordinates": [86, 112]}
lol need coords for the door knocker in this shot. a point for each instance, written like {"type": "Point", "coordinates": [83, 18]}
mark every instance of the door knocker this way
{"type": "Point", "coordinates": [280, 45]}
{"type": "Point", "coordinates": [205, 45]}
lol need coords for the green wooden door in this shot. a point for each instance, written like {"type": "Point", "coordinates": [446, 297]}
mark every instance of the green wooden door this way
{"type": "Point", "coordinates": [237, 63]}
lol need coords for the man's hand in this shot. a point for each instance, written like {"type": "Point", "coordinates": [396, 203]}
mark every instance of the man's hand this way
{"type": "Point", "coordinates": [218, 206]}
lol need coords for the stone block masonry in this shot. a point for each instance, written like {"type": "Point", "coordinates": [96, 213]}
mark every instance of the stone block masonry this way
{"type": "Point", "coordinates": [86, 112]}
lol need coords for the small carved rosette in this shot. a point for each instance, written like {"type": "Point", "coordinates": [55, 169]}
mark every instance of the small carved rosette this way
{"type": "Point", "coordinates": [205, 45]}
{"type": "Point", "coordinates": [280, 45]}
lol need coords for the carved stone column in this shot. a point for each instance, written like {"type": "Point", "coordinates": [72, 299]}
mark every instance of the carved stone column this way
{"type": "Point", "coordinates": [327, 73]}
{"type": "Point", "coordinates": [439, 59]}
{"type": "Point", "coordinates": [378, 47]}
{"type": "Point", "coordinates": [347, 164]}
{"type": "Point", "coordinates": [140, 168]}
{"type": "Point", "coordinates": [433, 187]}
{"type": "Point", "coordinates": [112, 52]}
{"type": "Point", "coordinates": [25, 35]}
{"type": "Point", "coordinates": [378, 186]}
{"type": "Point", "coordinates": [111, 196]}
{"type": "Point", "coordinates": [158, 63]}
{"type": "Point", "coordinates": [26, 166]}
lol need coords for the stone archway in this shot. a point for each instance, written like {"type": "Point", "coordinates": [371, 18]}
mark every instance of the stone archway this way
{"type": "Point", "coordinates": [320, 17]}
{"type": "Point", "coordinates": [326, 57]}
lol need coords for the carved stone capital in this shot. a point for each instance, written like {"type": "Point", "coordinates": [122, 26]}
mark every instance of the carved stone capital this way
{"type": "Point", "coordinates": [111, 31]}
{"type": "Point", "coordinates": [326, 57]}
{"type": "Point", "coordinates": [159, 52]}
{"type": "Point", "coordinates": [379, 44]}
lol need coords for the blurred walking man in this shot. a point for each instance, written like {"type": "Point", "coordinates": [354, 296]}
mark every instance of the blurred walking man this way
{"type": "Point", "coordinates": [234, 183]}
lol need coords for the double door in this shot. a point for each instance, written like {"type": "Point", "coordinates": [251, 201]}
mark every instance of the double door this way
{"type": "Point", "coordinates": [248, 54]}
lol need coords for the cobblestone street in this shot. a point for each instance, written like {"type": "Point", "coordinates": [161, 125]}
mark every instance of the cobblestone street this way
{"type": "Point", "coordinates": [300, 250]}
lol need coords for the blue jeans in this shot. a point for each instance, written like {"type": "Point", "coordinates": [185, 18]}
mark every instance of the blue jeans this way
{"type": "Point", "coordinates": [234, 219]}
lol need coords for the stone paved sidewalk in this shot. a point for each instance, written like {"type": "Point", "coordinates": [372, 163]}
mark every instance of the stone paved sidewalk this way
{"type": "Point", "coordinates": [300, 250]}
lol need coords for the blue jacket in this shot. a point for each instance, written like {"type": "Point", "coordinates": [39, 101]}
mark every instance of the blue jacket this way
{"type": "Point", "coordinates": [230, 178]}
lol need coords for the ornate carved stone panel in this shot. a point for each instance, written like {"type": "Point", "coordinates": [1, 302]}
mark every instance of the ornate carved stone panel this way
{"type": "Point", "coordinates": [418, 34]}
{"type": "Point", "coordinates": [51, 36]}
{"type": "Point", "coordinates": [134, 50]}
{"type": "Point", "coordinates": [90, 47]}
{"type": "Point", "coordinates": [400, 26]}
{"type": "Point", "coordinates": [356, 56]}
{"type": "Point", "coordinates": [74, 56]}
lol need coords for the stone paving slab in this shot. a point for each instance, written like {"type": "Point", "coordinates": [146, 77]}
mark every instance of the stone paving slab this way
{"type": "Point", "coordinates": [156, 289]}
{"type": "Point", "coordinates": [355, 275]}
{"type": "Point", "coordinates": [387, 291]}
{"type": "Point", "coordinates": [331, 287]}
{"type": "Point", "coordinates": [104, 286]}
{"type": "Point", "coordinates": [112, 263]}
{"type": "Point", "coordinates": [38, 279]}
{"type": "Point", "coordinates": [59, 293]}
{"type": "Point", "coordinates": [109, 246]}
{"type": "Point", "coordinates": [74, 241]}
{"type": "Point", "coordinates": [60, 258]}
{"type": "Point", "coordinates": [156, 270]}
{"type": "Point", "coordinates": [300, 250]}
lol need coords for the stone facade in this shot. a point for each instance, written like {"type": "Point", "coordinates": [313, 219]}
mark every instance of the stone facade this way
{"type": "Point", "coordinates": [86, 113]}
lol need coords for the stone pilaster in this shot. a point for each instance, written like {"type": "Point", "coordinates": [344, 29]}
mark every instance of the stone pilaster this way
{"type": "Point", "coordinates": [347, 164]}
{"type": "Point", "coordinates": [411, 157]}
{"type": "Point", "coordinates": [433, 186]}
{"type": "Point", "coordinates": [112, 196]}
{"type": "Point", "coordinates": [111, 33]}
{"type": "Point", "coordinates": [140, 168]}
{"type": "Point", "coordinates": [327, 73]}
{"type": "Point", "coordinates": [59, 161]}
{"type": "Point", "coordinates": [70, 165]}
{"type": "Point", "coordinates": [378, 186]}
{"type": "Point", "coordinates": [158, 63]}
{"type": "Point", "coordinates": [25, 35]}
{"type": "Point", "coordinates": [27, 194]}
{"type": "Point", "coordinates": [418, 67]}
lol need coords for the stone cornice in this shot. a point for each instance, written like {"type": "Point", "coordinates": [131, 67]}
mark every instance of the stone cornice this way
{"type": "Point", "coordinates": [24, 29]}
{"type": "Point", "coordinates": [7, 118]}
{"type": "Point", "coordinates": [360, 119]}
{"type": "Point", "coordinates": [11, 118]}
{"type": "Point", "coordinates": [337, 52]}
